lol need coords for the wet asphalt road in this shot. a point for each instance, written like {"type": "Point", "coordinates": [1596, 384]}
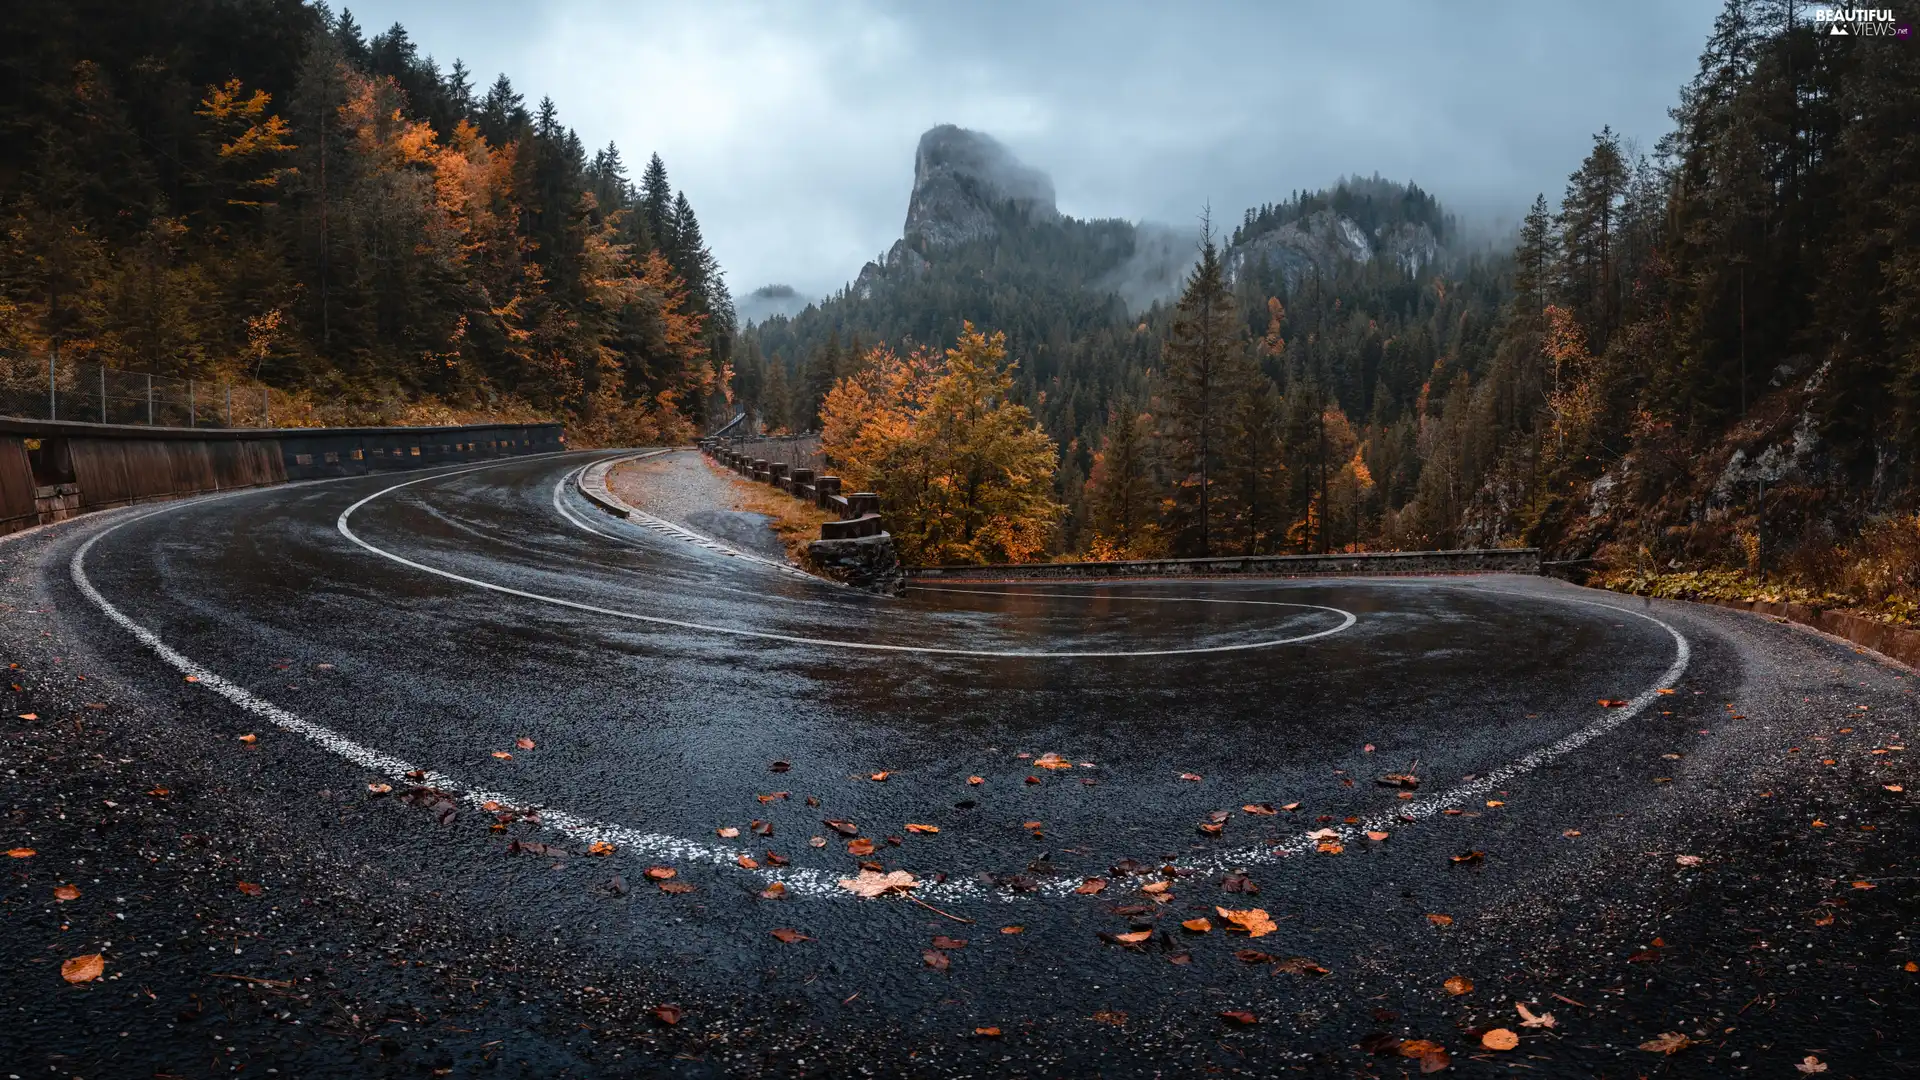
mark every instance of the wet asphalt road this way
{"type": "Point", "coordinates": [659, 683]}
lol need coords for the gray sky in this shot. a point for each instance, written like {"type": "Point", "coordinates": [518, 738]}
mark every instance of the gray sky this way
{"type": "Point", "coordinates": [791, 126]}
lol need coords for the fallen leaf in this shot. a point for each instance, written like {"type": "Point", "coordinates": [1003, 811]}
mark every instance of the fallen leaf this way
{"type": "Point", "coordinates": [1571, 832]}
{"type": "Point", "coordinates": [860, 845]}
{"type": "Point", "coordinates": [1211, 828]}
{"type": "Point", "coordinates": [780, 766]}
{"type": "Point", "coordinates": [1434, 1061]}
{"type": "Point", "coordinates": [1239, 1017]}
{"type": "Point", "coordinates": [912, 828]}
{"type": "Point", "coordinates": [29, 716]}
{"type": "Point", "coordinates": [1198, 926]}
{"type": "Point", "coordinates": [942, 941]}
{"type": "Point", "coordinates": [1252, 920]}
{"type": "Point", "coordinates": [249, 738]}
{"type": "Point", "coordinates": [675, 888]}
{"type": "Point", "coordinates": [1330, 847]}
{"type": "Point", "coordinates": [1440, 920]}
{"type": "Point", "coordinates": [1688, 860]}
{"type": "Point", "coordinates": [251, 889]}
{"type": "Point", "coordinates": [64, 893]}
{"type": "Point", "coordinates": [1108, 1016]}
{"type": "Point", "coordinates": [1895, 788]}
{"type": "Point", "coordinates": [523, 743]}
{"type": "Point", "coordinates": [746, 862]}
{"type": "Point", "coordinates": [1013, 929]}
{"type": "Point", "coordinates": [193, 678]}
{"type": "Point", "coordinates": [1529, 1019]}
{"type": "Point", "coordinates": [1299, 965]}
{"type": "Point", "coordinates": [1611, 703]}
{"type": "Point", "coordinates": [1414, 1048]}
{"type": "Point", "coordinates": [1500, 1039]}
{"type": "Point", "coordinates": [1052, 761]}
{"type": "Point", "coordinates": [727, 832]}
{"type": "Point", "coordinates": [1291, 806]}
{"type": "Point", "coordinates": [1190, 776]}
{"type": "Point", "coordinates": [601, 847]}
{"type": "Point", "coordinates": [844, 828]}
{"type": "Point", "coordinates": [871, 883]}
{"type": "Point", "coordinates": [1398, 780]}
{"type": "Point", "coordinates": [1263, 809]}
{"type": "Point", "coordinates": [1133, 938]}
{"type": "Point", "coordinates": [936, 959]}
{"type": "Point", "coordinates": [987, 1032]}
{"type": "Point", "coordinates": [86, 968]}
{"type": "Point", "coordinates": [1469, 857]}
{"type": "Point", "coordinates": [667, 1014]}
{"type": "Point", "coordinates": [503, 755]}
{"type": "Point", "coordinates": [21, 853]}
{"type": "Point", "coordinates": [1156, 887]}
{"type": "Point", "coordinates": [790, 936]}
{"type": "Point", "coordinates": [1033, 779]}
{"type": "Point", "coordinates": [1671, 1042]}
{"type": "Point", "coordinates": [1865, 885]}
{"type": "Point", "coordinates": [817, 841]}
{"type": "Point", "coordinates": [161, 793]}
{"type": "Point", "coordinates": [1663, 690]}
{"type": "Point", "coordinates": [1375, 834]}
{"type": "Point", "coordinates": [1811, 1064]}
{"type": "Point", "coordinates": [880, 777]}
{"type": "Point", "coordinates": [761, 828]}
{"type": "Point", "coordinates": [1091, 886]}
{"type": "Point", "coordinates": [661, 873]}
{"type": "Point", "coordinates": [776, 795]}
{"type": "Point", "coordinates": [1458, 985]}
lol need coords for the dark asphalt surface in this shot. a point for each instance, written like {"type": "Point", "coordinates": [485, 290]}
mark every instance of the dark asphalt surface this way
{"type": "Point", "coordinates": [388, 937]}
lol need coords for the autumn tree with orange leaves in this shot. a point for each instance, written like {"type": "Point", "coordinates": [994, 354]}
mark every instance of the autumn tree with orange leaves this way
{"type": "Point", "coordinates": [964, 474]}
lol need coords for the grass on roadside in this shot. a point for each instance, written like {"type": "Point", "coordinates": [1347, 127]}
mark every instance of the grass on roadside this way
{"type": "Point", "coordinates": [796, 523]}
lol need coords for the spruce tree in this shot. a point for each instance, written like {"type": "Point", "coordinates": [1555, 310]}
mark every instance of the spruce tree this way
{"type": "Point", "coordinates": [1203, 347]}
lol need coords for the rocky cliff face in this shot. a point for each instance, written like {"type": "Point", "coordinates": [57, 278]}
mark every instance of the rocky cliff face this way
{"type": "Point", "coordinates": [1322, 240]}
{"type": "Point", "coordinates": [961, 179]}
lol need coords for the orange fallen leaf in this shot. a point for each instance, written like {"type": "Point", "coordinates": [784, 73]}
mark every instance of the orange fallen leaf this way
{"type": "Point", "coordinates": [1156, 887]}
{"type": "Point", "coordinates": [1671, 1042]}
{"type": "Point", "coordinates": [1457, 986]}
{"type": "Point", "coordinates": [21, 853]}
{"type": "Point", "coordinates": [976, 781]}
{"type": "Point", "coordinates": [1440, 920]}
{"type": "Point", "coordinates": [1198, 926]}
{"type": "Point", "coordinates": [1190, 776]}
{"type": "Point", "coordinates": [880, 777]}
{"type": "Point", "coordinates": [1330, 847]}
{"type": "Point", "coordinates": [936, 959]}
{"type": "Point", "coordinates": [1500, 1039]}
{"type": "Point", "coordinates": [523, 743]}
{"type": "Point", "coordinates": [161, 793]}
{"type": "Point", "coordinates": [1211, 828]}
{"type": "Point", "coordinates": [872, 883]}
{"type": "Point", "coordinates": [790, 935]}
{"type": "Point", "coordinates": [1495, 802]}
{"type": "Point", "coordinates": [1052, 761]}
{"type": "Point", "coordinates": [1013, 929]}
{"type": "Point", "coordinates": [249, 738]}
{"type": "Point", "coordinates": [1291, 806]}
{"type": "Point", "coordinates": [727, 832]}
{"type": "Point", "coordinates": [745, 862]}
{"type": "Point", "coordinates": [86, 968]}
{"type": "Point", "coordinates": [774, 891]}
{"type": "Point", "coordinates": [600, 847]}
{"type": "Point", "coordinates": [193, 678]}
{"type": "Point", "coordinates": [667, 1014]}
{"type": "Point", "coordinates": [1414, 1048]}
{"type": "Point", "coordinates": [64, 893]}
{"type": "Point", "coordinates": [1895, 788]}
{"type": "Point", "coordinates": [1865, 885]}
{"type": "Point", "coordinates": [1375, 834]}
{"type": "Point", "coordinates": [1091, 886]}
{"type": "Point", "coordinates": [1252, 920]}
{"type": "Point", "coordinates": [911, 827]}
{"type": "Point", "coordinates": [987, 1032]}
{"type": "Point", "coordinates": [1134, 938]}
{"type": "Point", "coordinates": [503, 755]}
{"type": "Point", "coordinates": [1818, 824]}
{"type": "Point", "coordinates": [1240, 1017]}
{"type": "Point", "coordinates": [661, 873]}
{"type": "Point", "coordinates": [251, 889]}
{"type": "Point", "coordinates": [377, 789]}
{"type": "Point", "coordinates": [1571, 832]}
{"type": "Point", "coordinates": [1469, 857]}
{"type": "Point", "coordinates": [29, 716]}
{"type": "Point", "coordinates": [859, 845]}
{"type": "Point", "coordinates": [1910, 966]}
{"type": "Point", "coordinates": [1529, 1019]}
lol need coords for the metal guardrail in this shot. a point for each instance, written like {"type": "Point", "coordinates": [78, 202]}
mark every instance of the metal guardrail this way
{"type": "Point", "coordinates": [33, 388]}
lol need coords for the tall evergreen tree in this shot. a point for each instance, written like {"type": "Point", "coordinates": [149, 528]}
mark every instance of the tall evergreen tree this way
{"type": "Point", "coordinates": [1203, 357]}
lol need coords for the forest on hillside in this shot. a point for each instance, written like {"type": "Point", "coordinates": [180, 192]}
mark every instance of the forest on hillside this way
{"type": "Point", "coordinates": [259, 190]}
{"type": "Point", "coordinates": [1702, 355]}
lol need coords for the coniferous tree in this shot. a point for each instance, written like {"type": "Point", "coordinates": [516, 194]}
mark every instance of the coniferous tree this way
{"type": "Point", "coordinates": [1204, 356]}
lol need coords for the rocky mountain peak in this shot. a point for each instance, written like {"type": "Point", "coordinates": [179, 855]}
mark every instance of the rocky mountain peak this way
{"type": "Point", "coordinates": [962, 178]}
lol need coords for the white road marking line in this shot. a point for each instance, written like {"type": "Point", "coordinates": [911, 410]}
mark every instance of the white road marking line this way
{"type": "Point", "coordinates": [1347, 617]}
{"type": "Point", "coordinates": [822, 883]}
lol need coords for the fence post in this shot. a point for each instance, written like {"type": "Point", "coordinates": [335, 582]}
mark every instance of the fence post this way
{"type": "Point", "coordinates": [103, 393]}
{"type": "Point", "coordinates": [191, 403]}
{"type": "Point", "coordinates": [149, 399]}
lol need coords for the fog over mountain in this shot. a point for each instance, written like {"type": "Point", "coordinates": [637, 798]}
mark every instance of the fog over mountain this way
{"type": "Point", "coordinates": [793, 127]}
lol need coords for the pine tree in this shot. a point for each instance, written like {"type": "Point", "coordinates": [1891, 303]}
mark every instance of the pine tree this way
{"type": "Point", "coordinates": [656, 202]}
{"type": "Point", "coordinates": [1122, 495]}
{"type": "Point", "coordinates": [1203, 354]}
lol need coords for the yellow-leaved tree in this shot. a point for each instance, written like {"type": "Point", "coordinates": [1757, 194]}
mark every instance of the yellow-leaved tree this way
{"type": "Point", "coordinates": [964, 475]}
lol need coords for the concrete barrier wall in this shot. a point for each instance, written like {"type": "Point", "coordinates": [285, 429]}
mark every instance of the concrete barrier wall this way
{"type": "Point", "coordinates": [1478, 561]}
{"type": "Point", "coordinates": [53, 470]}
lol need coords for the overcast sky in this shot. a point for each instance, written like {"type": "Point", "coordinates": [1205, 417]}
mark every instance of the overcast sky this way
{"type": "Point", "coordinates": [791, 126]}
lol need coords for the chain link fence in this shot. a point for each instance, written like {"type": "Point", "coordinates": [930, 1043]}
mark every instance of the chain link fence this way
{"type": "Point", "coordinates": [38, 388]}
